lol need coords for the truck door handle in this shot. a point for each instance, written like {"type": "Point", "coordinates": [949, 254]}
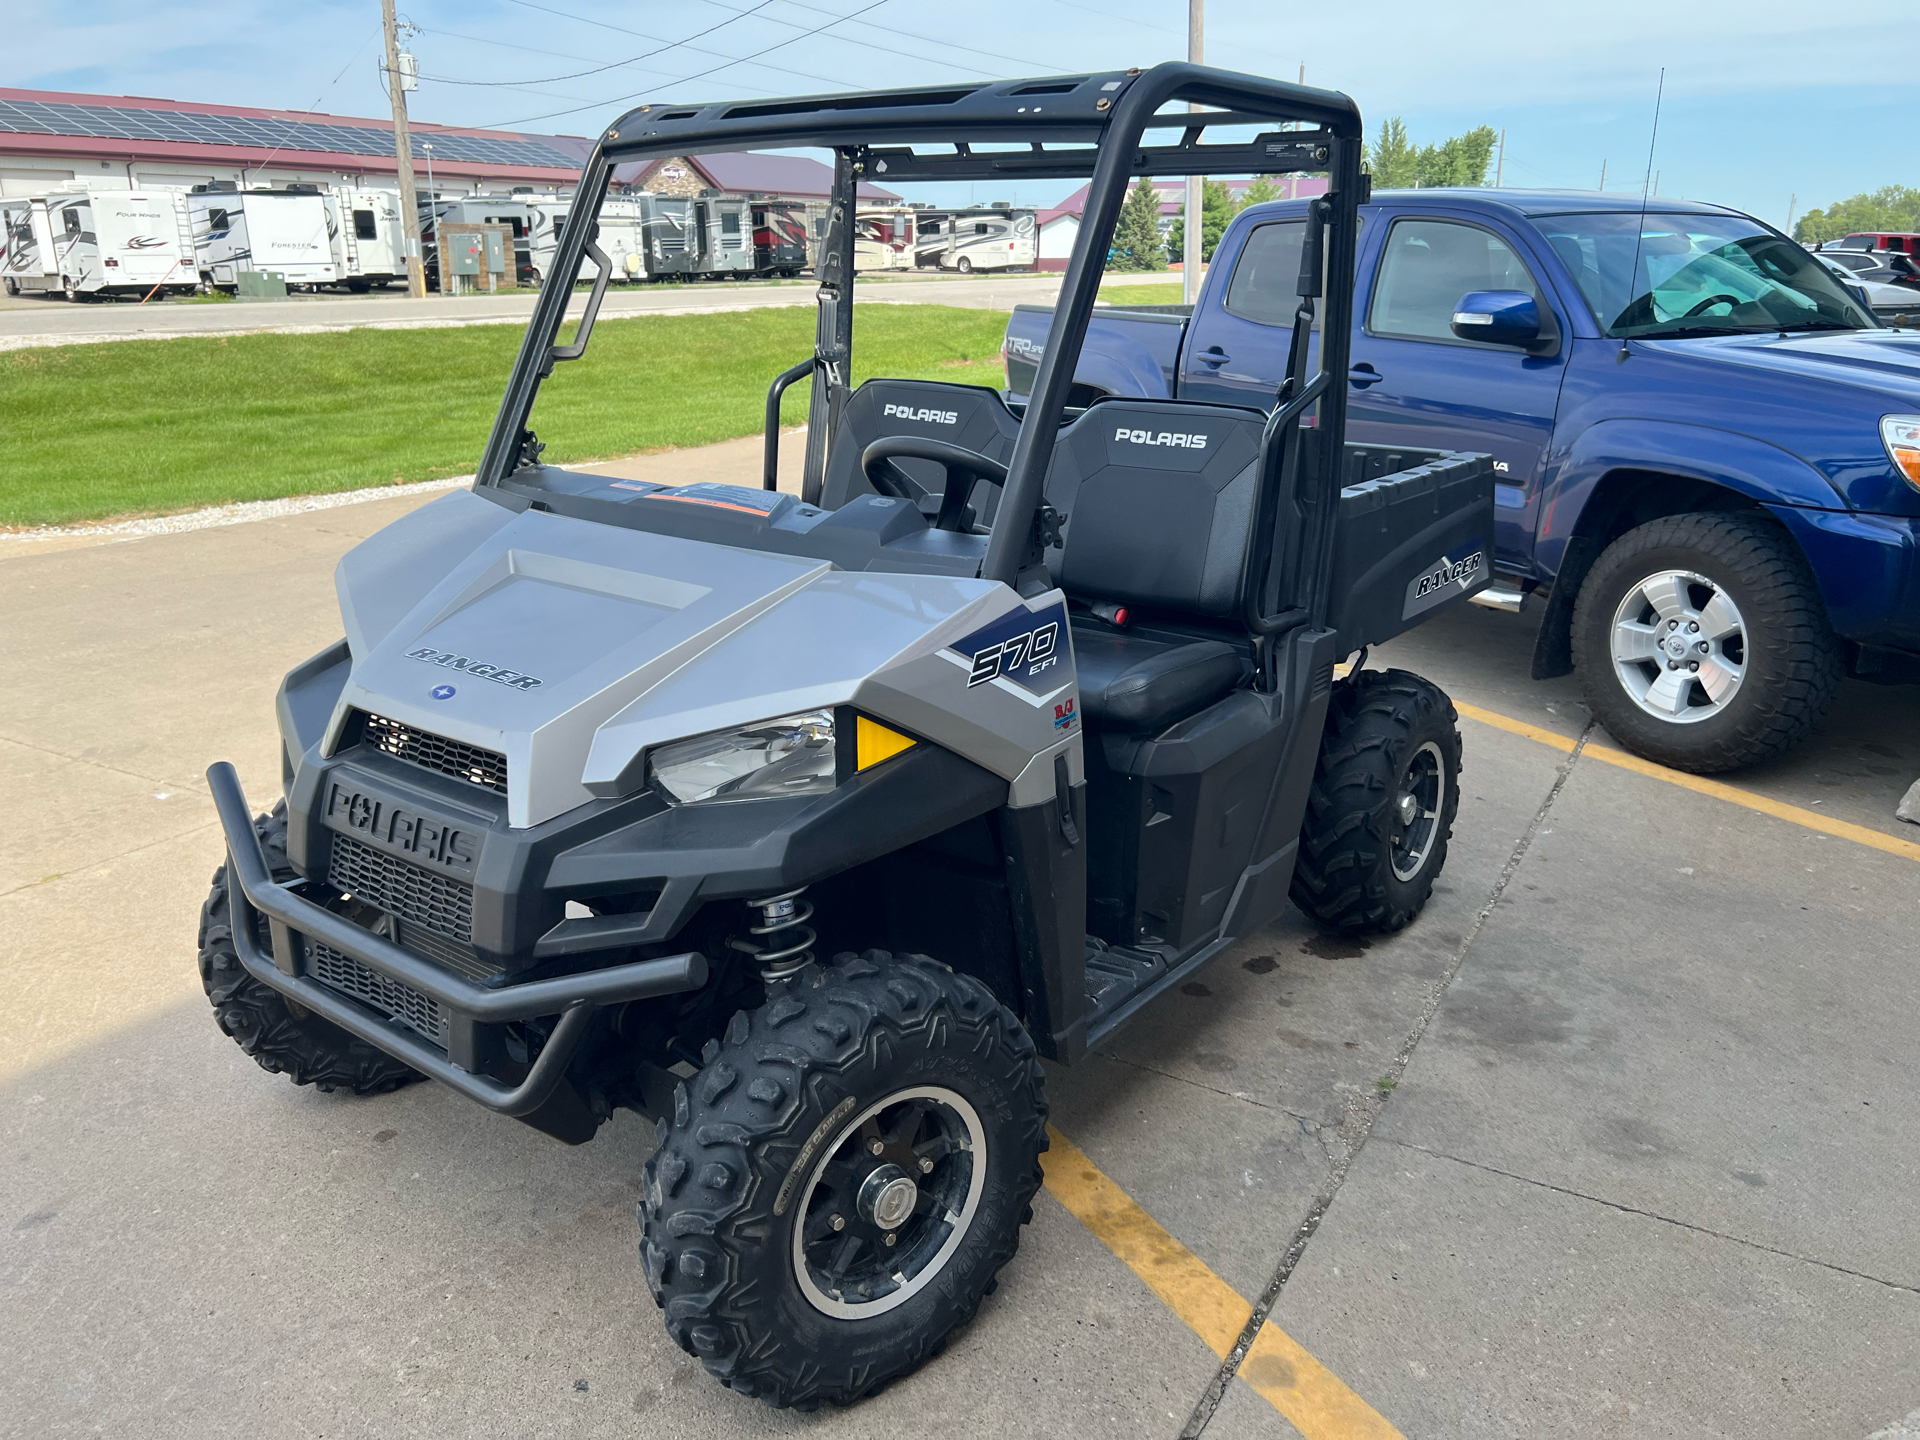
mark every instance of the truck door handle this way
{"type": "Point", "coordinates": [1364, 375]}
{"type": "Point", "coordinates": [1213, 355]}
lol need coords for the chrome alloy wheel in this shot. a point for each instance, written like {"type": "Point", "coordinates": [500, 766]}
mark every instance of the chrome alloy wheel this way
{"type": "Point", "coordinates": [1416, 810]}
{"type": "Point", "coordinates": [1679, 646]}
{"type": "Point", "coordinates": [889, 1201]}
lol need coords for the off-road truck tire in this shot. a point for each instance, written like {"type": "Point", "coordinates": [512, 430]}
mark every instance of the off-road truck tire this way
{"type": "Point", "coordinates": [745, 1159]}
{"type": "Point", "coordinates": [1363, 866]}
{"type": "Point", "coordinates": [1790, 657]}
{"type": "Point", "coordinates": [280, 1036]}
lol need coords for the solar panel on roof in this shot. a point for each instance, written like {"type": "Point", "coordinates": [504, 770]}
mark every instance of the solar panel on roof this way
{"type": "Point", "coordinates": [42, 117]}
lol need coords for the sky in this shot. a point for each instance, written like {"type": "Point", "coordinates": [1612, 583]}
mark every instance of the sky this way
{"type": "Point", "coordinates": [1771, 106]}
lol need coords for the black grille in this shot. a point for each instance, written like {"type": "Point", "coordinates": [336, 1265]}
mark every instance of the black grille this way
{"type": "Point", "coordinates": [436, 902]}
{"type": "Point", "coordinates": [487, 768]}
{"type": "Point", "coordinates": [367, 985]}
{"type": "Point", "coordinates": [454, 955]}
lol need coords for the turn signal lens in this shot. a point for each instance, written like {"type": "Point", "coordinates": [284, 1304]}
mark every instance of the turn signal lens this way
{"type": "Point", "coordinates": [874, 742]}
{"type": "Point", "coordinates": [1901, 435]}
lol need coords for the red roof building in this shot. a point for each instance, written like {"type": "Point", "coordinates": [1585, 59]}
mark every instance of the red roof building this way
{"type": "Point", "coordinates": [48, 137]}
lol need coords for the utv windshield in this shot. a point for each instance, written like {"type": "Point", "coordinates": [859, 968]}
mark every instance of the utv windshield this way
{"type": "Point", "coordinates": [1697, 275]}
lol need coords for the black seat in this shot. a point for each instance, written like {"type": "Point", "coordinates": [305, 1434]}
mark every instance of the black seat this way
{"type": "Point", "coordinates": [970, 416]}
{"type": "Point", "coordinates": [1140, 686]}
{"type": "Point", "coordinates": [1158, 498]}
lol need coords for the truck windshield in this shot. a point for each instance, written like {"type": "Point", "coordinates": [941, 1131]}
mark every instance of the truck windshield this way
{"type": "Point", "coordinates": [1697, 275]}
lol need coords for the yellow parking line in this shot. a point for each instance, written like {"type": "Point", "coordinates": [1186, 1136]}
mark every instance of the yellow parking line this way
{"type": "Point", "coordinates": [1311, 1396]}
{"type": "Point", "coordinates": [1699, 784]}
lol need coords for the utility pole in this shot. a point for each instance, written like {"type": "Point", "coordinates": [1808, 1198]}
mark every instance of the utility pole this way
{"type": "Point", "coordinates": [1500, 170]}
{"type": "Point", "coordinates": [1793, 204]}
{"type": "Point", "coordinates": [1603, 174]}
{"type": "Point", "coordinates": [403, 154]}
{"type": "Point", "coordinates": [1190, 251]}
{"type": "Point", "coordinates": [1293, 176]}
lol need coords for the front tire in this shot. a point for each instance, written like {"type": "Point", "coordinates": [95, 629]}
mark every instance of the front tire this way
{"type": "Point", "coordinates": [1384, 797]}
{"type": "Point", "coordinates": [283, 1038]}
{"type": "Point", "coordinates": [877, 1097]}
{"type": "Point", "coordinates": [1702, 642]}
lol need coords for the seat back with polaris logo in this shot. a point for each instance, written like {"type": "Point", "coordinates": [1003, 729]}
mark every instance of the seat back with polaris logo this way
{"type": "Point", "coordinates": [969, 416]}
{"type": "Point", "coordinates": [1159, 498]}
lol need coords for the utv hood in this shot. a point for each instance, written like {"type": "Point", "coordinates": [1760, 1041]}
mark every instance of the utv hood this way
{"type": "Point", "coordinates": [571, 647]}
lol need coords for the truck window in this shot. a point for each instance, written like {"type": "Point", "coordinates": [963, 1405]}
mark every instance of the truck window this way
{"type": "Point", "coordinates": [1266, 274]}
{"type": "Point", "coordinates": [363, 226]}
{"type": "Point", "coordinates": [1428, 265]}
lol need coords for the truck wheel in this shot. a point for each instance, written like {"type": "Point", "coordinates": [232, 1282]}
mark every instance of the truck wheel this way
{"type": "Point", "coordinates": [964, 265]}
{"type": "Point", "coordinates": [1382, 805]}
{"type": "Point", "coordinates": [840, 1185]}
{"type": "Point", "coordinates": [73, 293]}
{"type": "Point", "coordinates": [1702, 642]}
{"type": "Point", "coordinates": [281, 1036]}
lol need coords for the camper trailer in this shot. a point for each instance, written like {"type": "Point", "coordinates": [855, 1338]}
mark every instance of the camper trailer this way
{"type": "Point", "coordinates": [369, 242]}
{"type": "Point", "coordinates": [729, 225]}
{"type": "Point", "coordinates": [514, 211]}
{"type": "Point", "coordinates": [674, 238]}
{"type": "Point", "coordinates": [883, 238]}
{"type": "Point", "coordinates": [999, 238]}
{"type": "Point", "coordinates": [82, 242]}
{"type": "Point", "coordinates": [781, 245]}
{"type": "Point", "coordinates": [623, 238]}
{"type": "Point", "coordinates": [282, 231]}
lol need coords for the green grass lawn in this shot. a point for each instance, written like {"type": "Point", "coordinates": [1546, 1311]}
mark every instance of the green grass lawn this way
{"type": "Point", "coordinates": [149, 427]}
{"type": "Point", "coordinates": [1162, 294]}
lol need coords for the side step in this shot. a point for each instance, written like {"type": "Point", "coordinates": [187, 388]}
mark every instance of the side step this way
{"type": "Point", "coordinates": [1122, 979]}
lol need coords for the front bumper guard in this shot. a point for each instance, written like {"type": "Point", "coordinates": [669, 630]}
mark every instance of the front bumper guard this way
{"type": "Point", "coordinates": [574, 998]}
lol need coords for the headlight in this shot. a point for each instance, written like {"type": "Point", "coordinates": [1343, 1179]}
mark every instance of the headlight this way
{"type": "Point", "coordinates": [794, 755]}
{"type": "Point", "coordinates": [1901, 435]}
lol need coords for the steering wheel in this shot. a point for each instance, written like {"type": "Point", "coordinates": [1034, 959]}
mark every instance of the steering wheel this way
{"type": "Point", "coordinates": [962, 467]}
{"type": "Point", "coordinates": [1711, 301]}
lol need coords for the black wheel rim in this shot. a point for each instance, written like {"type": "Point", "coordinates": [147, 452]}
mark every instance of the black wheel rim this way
{"type": "Point", "coordinates": [1416, 811]}
{"type": "Point", "coordinates": [911, 1166]}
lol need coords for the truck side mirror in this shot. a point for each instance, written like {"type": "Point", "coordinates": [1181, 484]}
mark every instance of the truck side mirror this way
{"type": "Point", "coordinates": [1498, 317]}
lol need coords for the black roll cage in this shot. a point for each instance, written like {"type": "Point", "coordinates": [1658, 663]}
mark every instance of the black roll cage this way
{"type": "Point", "coordinates": [1070, 126]}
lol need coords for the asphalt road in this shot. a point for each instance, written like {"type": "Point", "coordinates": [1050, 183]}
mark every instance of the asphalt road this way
{"type": "Point", "coordinates": [1650, 1165]}
{"type": "Point", "coordinates": [37, 320]}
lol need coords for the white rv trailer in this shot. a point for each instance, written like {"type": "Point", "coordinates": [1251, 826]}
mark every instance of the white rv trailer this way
{"type": "Point", "coordinates": [623, 239]}
{"type": "Point", "coordinates": [369, 242]}
{"type": "Point", "coordinates": [929, 236]}
{"type": "Point", "coordinates": [729, 235]}
{"type": "Point", "coordinates": [82, 241]}
{"type": "Point", "coordinates": [1000, 238]}
{"type": "Point", "coordinates": [282, 231]}
{"type": "Point", "coordinates": [883, 238]}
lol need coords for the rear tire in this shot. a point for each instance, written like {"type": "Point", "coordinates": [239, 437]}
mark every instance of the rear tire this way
{"type": "Point", "coordinates": [1383, 802]}
{"type": "Point", "coordinates": [964, 265]}
{"type": "Point", "coordinates": [772, 1142]}
{"type": "Point", "coordinates": [1740, 574]}
{"type": "Point", "coordinates": [283, 1038]}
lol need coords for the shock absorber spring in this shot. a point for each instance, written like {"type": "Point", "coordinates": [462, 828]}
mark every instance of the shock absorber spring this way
{"type": "Point", "coordinates": [782, 943]}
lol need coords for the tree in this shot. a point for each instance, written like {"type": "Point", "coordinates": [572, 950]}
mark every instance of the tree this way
{"type": "Point", "coordinates": [1217, 209]}
{"type": "Point", "coordinates": [1259, 190]}
{"type": "Point", "coordinates": [1891, 207]}
{"type": "Point", "coordinates": [1391, 158]}
{"type": "Point", "coordinates": [1136, 237]}
{"type": "Point", "coordinates": [1396, 164]}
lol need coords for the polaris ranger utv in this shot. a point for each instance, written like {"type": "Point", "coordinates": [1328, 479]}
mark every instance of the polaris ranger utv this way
{"type": "Point", "coordinates": [807, 823]}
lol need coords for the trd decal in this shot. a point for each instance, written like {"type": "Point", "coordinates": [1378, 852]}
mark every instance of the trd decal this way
{"type": "Point", "coordinates": [1024, 646]}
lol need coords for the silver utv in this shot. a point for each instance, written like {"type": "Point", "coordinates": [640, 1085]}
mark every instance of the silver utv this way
{"type": "Point", "coordinates": [808, 824]}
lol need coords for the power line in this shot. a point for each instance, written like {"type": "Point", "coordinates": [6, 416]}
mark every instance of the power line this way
{"type": "Point", "coordinates": [909, 34]}
{"type": "Point", "coordinates": [600, 69]}
{"type": "Point", "coordinates": [697, 49]}
{"type": "Point", "coordinates": [684, 79]}
{"type": "Point", "coordinates": [1113, 15]}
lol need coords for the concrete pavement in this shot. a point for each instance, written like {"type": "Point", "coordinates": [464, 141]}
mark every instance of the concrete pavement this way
{"type": "Point", "coordinates": [1647, 1169]}
{"type": "Point", "coordinates": [36, 321]}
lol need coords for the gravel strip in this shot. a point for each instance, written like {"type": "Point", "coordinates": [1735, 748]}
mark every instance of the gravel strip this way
{"type": "Point", "coordinates": [237, 514]}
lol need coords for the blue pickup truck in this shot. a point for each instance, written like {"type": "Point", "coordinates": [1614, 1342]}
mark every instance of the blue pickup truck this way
{"type": "Point", "coordinates": [1707, 448]}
